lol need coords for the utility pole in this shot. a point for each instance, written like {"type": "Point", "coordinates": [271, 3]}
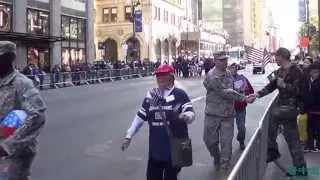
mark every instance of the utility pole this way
{"type": "Point", "coordinates": [308, 24]}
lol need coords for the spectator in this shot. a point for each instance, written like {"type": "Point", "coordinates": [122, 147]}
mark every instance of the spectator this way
{"type": "Point", "coordinates": [160, 165]}
{"type": "Point", "coordinates": [313, 109]}
{"type": "Point", "coordinates": [242, 85]}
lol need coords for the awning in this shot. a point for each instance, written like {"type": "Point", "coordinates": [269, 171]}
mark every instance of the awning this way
{"type": "Point", "coordinates": [29, 38]}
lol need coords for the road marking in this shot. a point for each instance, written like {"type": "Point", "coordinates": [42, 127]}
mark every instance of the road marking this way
{"type": "Point", "coordinates": [197, 99]}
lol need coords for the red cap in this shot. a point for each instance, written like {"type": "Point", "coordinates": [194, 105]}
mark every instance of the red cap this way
{"type": "Point", "coordinates": [163, 69]}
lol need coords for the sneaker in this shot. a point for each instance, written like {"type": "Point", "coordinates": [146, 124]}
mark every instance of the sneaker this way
{"type": "Point", "coordinates": [302, 171]}
{"type": "Point", "coordinates": [314, 150]}
{"type": "Point", "coordinates": [307, 149]}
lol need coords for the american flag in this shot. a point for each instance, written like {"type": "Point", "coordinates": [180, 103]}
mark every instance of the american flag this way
{"type": "Point", "coordinates": [12, 121]}
{"type": "Point", "coordinates": [254, 55]}
{"type": "Point", "coordinates": [257, 56]}
{"type": "Point", "coordinates": [266, 57]}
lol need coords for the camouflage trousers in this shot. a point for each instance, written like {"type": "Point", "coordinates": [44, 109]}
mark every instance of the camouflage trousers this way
{"type": "Point", "coordinates": [20, 167]}
{"type": "Point", "coordinates": [290, 133]}
{"type": "Point", "coordinates": [219, 130]}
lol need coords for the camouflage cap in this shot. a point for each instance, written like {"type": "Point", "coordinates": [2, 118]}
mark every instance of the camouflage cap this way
{"type": "Point", "coordinates": [6, 47]}
{"type": "Point", "coordinates": [222, 55]}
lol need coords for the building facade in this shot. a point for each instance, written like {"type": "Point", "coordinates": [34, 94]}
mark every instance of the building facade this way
{"type": "Point", "coordinates": [244, 22]}
{"type": "Point", "coordinates": [49, 32]}
{"type": "Point", "coordinates": [212, 12]}
{"type": "Point", "coordinates": [167, 26]}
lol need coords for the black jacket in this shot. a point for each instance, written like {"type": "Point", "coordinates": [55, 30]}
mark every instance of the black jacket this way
{"type": "Point", "coordinates": [312, 101]}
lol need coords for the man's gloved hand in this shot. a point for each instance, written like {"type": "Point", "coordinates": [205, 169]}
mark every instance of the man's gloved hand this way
{"type": "Point", "coordinates": [3, 153]}
{"type": "Point", "coordinates": [188, 117]}
{"type": "Point", "coordinates": [125, 144]}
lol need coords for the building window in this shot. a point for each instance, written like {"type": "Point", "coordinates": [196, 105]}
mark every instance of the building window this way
{"type": "Point", "coordinates": [81, 29]}
{"type": "Point", "coordinates": [165, 16]}
{"type": "Point", "coordinates": [159, 14]}
{"type": "Point", "coordinates": [5, 17]}
{"type": "Point", "coordinates": [38, 22]}
{"type": "Point", "coordinates": [110, 15]}
{"type": "Point", "coordinates": [73, 28]}
{"type": "Point", "coordinates": [127, 13]}
{"type": "Point", "coordinates": [65, 27]}
{"type": "Point", "coordinates": [173, 19]}
{"type": "Point", "coordinates": [155, 15]}
{"type": "Point", "coordinates": [39, 57]}
{"type": "Point", "coordinates": [106, 15]}
{"type": "Point", "coordinates": [113, 14]}
{"type": "Point", "coordinates": [73, 50]}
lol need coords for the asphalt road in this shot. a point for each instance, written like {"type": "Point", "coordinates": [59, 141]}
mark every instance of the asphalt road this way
{"type": "Point", "coordinates": [82, 138]}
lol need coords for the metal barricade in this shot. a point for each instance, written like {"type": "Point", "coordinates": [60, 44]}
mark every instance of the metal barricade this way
{"type": "Point", "coordinates": [252, 162]}
{"type": "Point", "coordinates": [67, 79]}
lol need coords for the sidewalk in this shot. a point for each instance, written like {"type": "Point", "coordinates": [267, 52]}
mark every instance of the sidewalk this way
{"type": "Point", "coordinates": [273, 172]}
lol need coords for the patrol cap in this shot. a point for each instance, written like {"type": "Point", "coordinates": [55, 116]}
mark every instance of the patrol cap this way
{"type": "Point", "coordinates": [222, 55]}
{"type": "Point", "coordinates": [283, 52]}
{"type": "Point", "coordinates": [6, 47]}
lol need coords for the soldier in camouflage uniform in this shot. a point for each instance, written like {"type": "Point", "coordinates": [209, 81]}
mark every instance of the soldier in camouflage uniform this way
{"type": "Point", "coordinates": [288, 79]}
{"type": "Point", "coordinates": [219, 112]}
{"type": "Point", "coordinates": [18, 92]}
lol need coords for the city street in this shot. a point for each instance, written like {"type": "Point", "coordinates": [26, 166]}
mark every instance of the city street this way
{"type": "Point", "coordinates": [86, 124]}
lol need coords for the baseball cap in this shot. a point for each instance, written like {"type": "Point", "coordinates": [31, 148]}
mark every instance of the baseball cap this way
{"type": "Point", "coordinates": [165, 69]}
{"type": "Point", "coordinates": [284, 52]}
{"type": "Point", "coordinates": [6, 47]}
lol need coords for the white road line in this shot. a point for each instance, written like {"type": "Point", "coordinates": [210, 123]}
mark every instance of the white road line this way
{"type": "Point", "coordinates": [197, 99]}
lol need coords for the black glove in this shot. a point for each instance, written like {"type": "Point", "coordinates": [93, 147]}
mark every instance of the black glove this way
{"type": "Point", "coordinates": [3, 153]}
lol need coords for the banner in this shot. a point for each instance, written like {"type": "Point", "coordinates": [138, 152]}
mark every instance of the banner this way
{"type": "Point", "coordinates": [302, 11]}
{"type": "Point", "coordinates": [304, 41]}
{"type": "Point", "coordinates": [138, 20]}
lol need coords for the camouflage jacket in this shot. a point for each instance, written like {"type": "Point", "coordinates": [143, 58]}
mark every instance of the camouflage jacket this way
{"type": "Point", "coordinates": [294, 91]}
{"type": "Point", "coordinates": [220, 94]}
{"type": "Point", "coordinates": [18, 92]}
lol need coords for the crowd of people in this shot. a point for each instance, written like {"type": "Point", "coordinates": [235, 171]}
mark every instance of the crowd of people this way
{"type": "Point", "coordinates": [77, 72]}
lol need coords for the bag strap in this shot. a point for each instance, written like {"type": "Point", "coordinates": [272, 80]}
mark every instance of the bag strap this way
{"type": "Point", "coordinates": [163, 119]}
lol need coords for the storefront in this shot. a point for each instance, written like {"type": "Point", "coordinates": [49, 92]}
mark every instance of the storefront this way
{"type": "Point", "coordinates": [38, 53]}
{"type": "Point", "coordinates": [73, 50]}
{"type": "Point", "coordinates": [48, 33]}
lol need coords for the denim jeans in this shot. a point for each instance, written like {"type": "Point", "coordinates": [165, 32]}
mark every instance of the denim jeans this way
{"type": "Point", "coordinates": [241, 124]}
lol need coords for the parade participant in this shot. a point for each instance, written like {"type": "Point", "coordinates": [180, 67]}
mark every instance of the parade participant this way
{"type": "Point", "coordinates": [242, 85]}
{"type": "Point", "coordinates": [219, 112]}
{"type": "Point", "coordinates": [17, 92]}
{"type": "Point", "coordinates": [289, 80]}
{"type": "Point", "coordinates": [177, 111]}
